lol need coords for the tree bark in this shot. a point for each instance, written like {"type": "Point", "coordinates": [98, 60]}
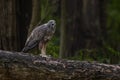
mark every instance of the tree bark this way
{"type": "Point", "coordinates": [24, 66]}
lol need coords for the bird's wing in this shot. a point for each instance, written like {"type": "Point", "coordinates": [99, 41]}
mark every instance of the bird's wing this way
{"type": "Point", "coordinates": [36, 36]}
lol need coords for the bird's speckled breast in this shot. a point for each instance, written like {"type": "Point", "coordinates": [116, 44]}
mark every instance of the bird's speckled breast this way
{"type": "Point", "coordinates": [49, 34]}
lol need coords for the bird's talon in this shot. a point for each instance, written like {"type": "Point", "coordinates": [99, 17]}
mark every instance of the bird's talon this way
{"type": "Point", "coordinates": [43, 55]}
{"type": "Point", "coordinates": [49, 55]}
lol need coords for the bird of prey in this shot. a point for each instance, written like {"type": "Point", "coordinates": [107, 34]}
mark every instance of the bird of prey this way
{"type": "Point", "coordinates": [40, 36]}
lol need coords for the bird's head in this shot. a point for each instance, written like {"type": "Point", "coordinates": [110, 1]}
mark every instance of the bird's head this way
{"type": "Point", "coordinates": [51, 23]}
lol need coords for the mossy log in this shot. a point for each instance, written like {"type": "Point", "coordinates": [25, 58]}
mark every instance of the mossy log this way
{"type": "Point", "coordinates": [25, 66]}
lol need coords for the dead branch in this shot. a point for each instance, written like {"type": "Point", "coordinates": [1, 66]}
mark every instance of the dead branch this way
{"type": "Point", "coordinates": [21, 66]}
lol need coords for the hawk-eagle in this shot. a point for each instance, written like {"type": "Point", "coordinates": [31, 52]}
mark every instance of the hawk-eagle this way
{"type": "Point", "coordinates": [40, 36]}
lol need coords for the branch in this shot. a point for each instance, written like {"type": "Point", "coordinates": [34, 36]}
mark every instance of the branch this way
{"type": "Point", "coordinates": [24, 66]}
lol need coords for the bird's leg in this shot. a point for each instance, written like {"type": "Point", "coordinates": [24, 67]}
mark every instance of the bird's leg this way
{"type": "Point", "coordinates": [43, 50]}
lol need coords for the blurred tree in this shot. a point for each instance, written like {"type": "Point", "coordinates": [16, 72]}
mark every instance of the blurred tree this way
{"type": "Point", "coordinates": [23, 19]}
{"type": "Point", "coordinates": [36, 14]}
{"type": "Point", "coordinates": [15, 19]}
{"type": "Point", "coordinates": [81, 25]}
{"type": "Point", "coordinates": [8, 35]}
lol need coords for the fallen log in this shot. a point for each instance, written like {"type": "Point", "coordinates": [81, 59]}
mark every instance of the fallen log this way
{"type": "Point", "coordinates": [24, 66]}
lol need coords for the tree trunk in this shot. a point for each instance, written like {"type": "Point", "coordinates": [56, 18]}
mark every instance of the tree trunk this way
{"type": "Point", "coordinates": [8, 29]}
{"type": "Point", "coordinates": [63, 29]}
{"type": "Point", "coordinates": [24, 13]}
{"type": "Point", "coordinates": [36, 14]}
{"type": "Point", "coordinates": [14, 19]}
{"type": "Point", "coordinates": [21, 66]}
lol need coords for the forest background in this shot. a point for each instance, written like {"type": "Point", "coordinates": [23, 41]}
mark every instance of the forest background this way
{"type": "Point", "coordinates": [86, 29]}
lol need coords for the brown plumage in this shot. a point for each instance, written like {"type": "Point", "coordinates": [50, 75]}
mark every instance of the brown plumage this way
{"type": "Point", "coordinates": [40, 36]}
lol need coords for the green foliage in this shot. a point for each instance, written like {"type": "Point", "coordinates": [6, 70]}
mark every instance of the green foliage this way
{"type": "Point", "coordinates": [45, 9]}
{"type": "Point", "coordinates": [48, 8]}
{"type": "Point", "coordinates": [112, 51]}
{"type": "Point", "coordinates": [85, 54]}
{"type": "Point", "coordinates": [103, 55]}
{"type": "Point", "coordinates": [53, 48]}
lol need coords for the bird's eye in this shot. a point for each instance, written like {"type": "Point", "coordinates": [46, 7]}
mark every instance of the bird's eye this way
{"type": "Point", "coordinates": [52, 24]}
